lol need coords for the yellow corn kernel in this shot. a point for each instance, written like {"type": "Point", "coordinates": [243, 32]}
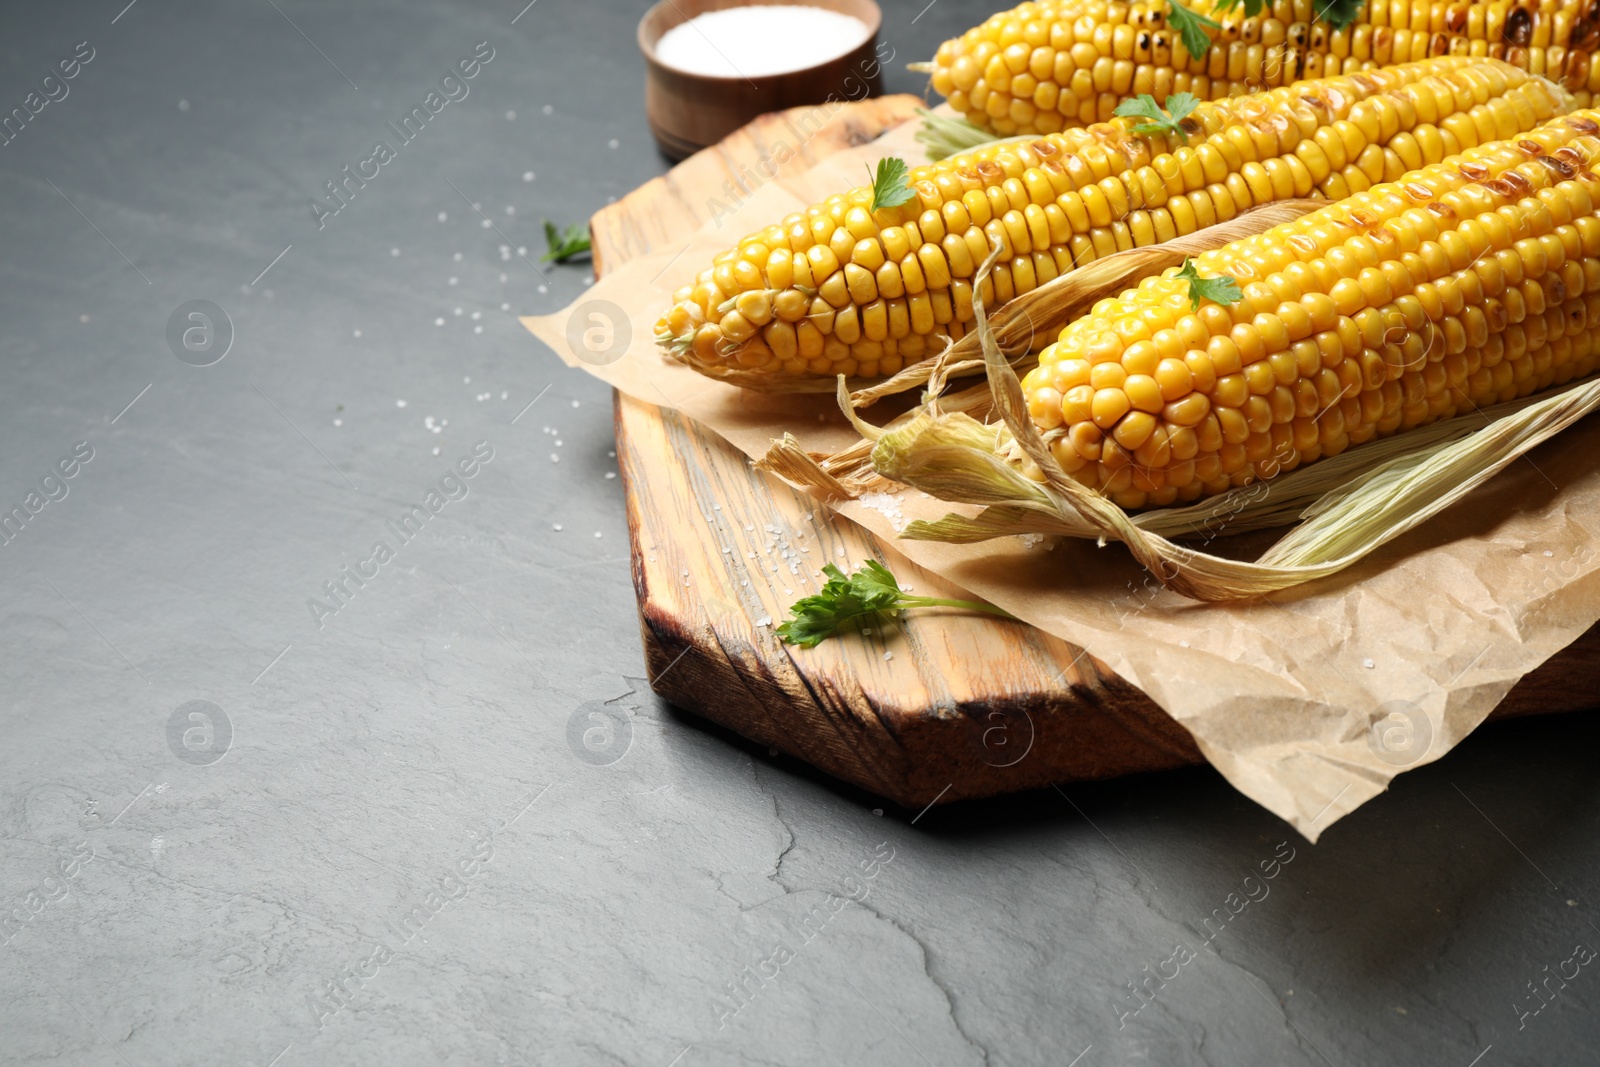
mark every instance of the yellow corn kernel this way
{"type": "Point", "coordinates": [1061, 199]}
{"type": "Point", "coordinates": [1361, 347]}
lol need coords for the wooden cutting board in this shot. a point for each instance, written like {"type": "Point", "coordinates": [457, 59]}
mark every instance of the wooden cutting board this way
{"type": "Point", "coordinates": [938, 707]}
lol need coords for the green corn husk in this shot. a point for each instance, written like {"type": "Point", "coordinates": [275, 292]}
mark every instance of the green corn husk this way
{"type": "Point", "coordinates": [944, 136]}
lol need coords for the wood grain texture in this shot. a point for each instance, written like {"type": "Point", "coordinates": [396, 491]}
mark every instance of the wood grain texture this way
{"type": "Point", "coordinates": [964, 705]}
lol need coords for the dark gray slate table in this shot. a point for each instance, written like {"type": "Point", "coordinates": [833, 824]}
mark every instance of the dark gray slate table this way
{"type": "Point", "coordinates": [379, 838]}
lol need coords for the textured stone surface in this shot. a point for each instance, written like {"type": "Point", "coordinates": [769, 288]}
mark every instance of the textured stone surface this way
{"type": "Point", "coordinates": [425, 725]}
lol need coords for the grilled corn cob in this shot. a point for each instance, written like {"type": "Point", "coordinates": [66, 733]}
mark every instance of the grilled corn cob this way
{"type": "Point", "coordinates": [1042, 67]}
{"type": "Point", "coordinates": [1468, 282]}
{"type": "Point", "coordinates": [841, 289]}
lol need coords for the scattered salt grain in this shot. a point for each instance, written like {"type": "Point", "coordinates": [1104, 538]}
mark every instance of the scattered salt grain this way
{"type": "Point", "coordinates": [809, 35]}
{"type": "Point", "coordinates": [456, 257]}
{"type": "Point", "coordinates": [888, 656]}
{"type": "Point", "coordinates": [399, 403]}
{"type": "Point", "coordinates": [888, 505]}
{"type": "Point", "coordinates": [438, 321]}
{"type": "Point", "coordinates": [527, 175]}
{"type": "Point", "coordinates": [1368, 664]}
{"type": "Point", "coordinates": [765, 620]}
{"type": "Point", "coordinates": [443, 217]}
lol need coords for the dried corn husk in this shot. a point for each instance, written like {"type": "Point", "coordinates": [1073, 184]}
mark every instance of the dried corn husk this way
{"type": "Point", "coordinates": [1345, 511]}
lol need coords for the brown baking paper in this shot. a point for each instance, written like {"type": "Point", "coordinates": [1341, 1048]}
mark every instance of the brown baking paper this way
{"type": "Point", "coordinates": [1308, 701]}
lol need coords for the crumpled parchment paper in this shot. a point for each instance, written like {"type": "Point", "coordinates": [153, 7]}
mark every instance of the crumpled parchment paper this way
{"type": "Point", "coordinates": [1309, 701]}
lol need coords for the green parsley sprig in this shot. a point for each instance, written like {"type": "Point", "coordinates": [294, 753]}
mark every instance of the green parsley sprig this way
{"type": "Point", "coordinates": [889, 185]}
{"type": "Point", "coordinates": [869, 593]}
{"type": "Point", "coordinates": [1223, 290]}
{"type": "Point", "coordinates": [1191, 24]}
{"type": "Point", "coordinates": [1144, 106]}
{"type": "Point", "coordinates": [563, 246]}
{"type": "Point", "coordinates": [1191, 27]}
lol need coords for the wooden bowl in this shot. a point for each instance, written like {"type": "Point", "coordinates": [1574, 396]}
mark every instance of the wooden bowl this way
{"type": "Point", "coordinates": [688, 112]}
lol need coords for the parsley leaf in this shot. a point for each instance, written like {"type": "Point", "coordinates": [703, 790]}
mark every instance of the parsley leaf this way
{"type": "Point", "coordinates": [868, 593]}
{"type": "Point", "coordinates": [1339, 13]}
{"type": "Point", "coordinates": [1144, 106]}
{"type": "Point", "coordinates": [1252, 8]}
{"type": "Point", "coordinates": [889, 186]}
{"type": "Point", "coordinates": [1191, 27]}
{"type": "Point", "coordinates": [563, 246]}
{"type": "Point", "coordinates": [1223, 290]}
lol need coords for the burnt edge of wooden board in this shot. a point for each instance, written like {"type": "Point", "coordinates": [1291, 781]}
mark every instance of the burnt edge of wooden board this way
{"type": "Point", "coordinates": [1101, 727]}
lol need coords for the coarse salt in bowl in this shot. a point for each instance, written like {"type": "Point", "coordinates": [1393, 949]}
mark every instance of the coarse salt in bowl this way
{"type": "Point", "coordinates": [714, 65]}
{"type": "Point", "coordinates": [748, 42]}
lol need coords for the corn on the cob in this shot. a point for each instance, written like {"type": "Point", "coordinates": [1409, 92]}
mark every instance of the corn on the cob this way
{"type": "Point", "coordinates": [841, 289]}
{"type": "Point", "coordinates": [1465, 283]}
{"type": "Point", "coordinates": [1042, 67]}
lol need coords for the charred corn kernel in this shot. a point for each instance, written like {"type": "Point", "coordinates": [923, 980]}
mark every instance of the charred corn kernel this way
{"type": "Point", "coordinates": [1089, 47]}
{"type": "Point", "coordinates": [1501, 231]}
{"type": "Point", "coordinates": [1063, 199]}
